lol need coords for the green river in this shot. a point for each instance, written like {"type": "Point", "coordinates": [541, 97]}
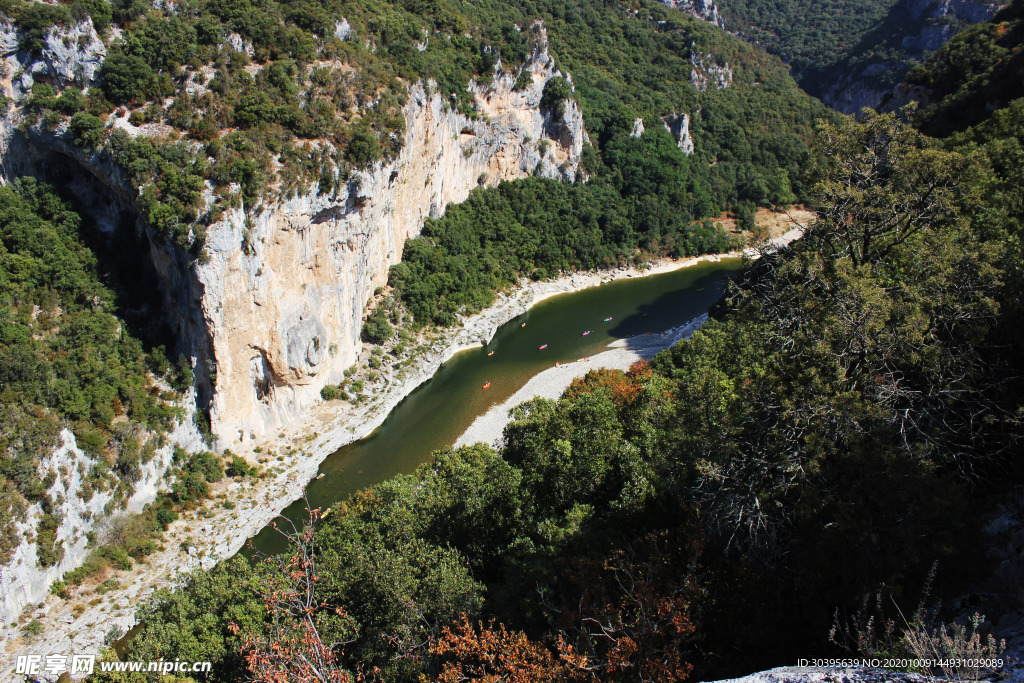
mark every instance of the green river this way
{"type": "Point", "coordinates": [439, 410]}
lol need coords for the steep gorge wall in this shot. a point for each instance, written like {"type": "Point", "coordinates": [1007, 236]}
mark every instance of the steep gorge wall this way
{"type": "Point", "coordinates": [285, 318]}
{"type": "Point", "coordinates": [276, 312]}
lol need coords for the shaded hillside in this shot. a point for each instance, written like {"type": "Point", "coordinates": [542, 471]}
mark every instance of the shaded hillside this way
{"type": "Point", "coordinates": [975, 74]}
{"type": "Point", "coordinates": [852, 53]}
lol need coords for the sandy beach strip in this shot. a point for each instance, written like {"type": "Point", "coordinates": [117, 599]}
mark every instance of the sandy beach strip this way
{"type": "Point", "coordinates": [550, 383]}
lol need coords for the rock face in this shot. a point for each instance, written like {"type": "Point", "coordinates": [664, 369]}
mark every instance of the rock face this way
{"type": "Point", "coordinates": [22, 581]}
{"type": "Point", "coordinates": [285, 315]}
{"type": "Point", "coordinates": [70, 56]}
{"type": "Point", "coordinates": [679, 126]}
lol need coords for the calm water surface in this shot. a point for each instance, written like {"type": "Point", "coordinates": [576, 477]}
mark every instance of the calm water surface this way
{"type": "Point", "coordinates": [439, 411]}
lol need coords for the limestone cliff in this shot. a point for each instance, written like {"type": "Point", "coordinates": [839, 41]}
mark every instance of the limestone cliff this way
{"type": "Point", "coordinates": [284, 316]}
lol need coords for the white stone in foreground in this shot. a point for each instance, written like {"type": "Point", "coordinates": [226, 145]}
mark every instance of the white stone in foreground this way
{"type": "Point", "coordinates": [803, 674]}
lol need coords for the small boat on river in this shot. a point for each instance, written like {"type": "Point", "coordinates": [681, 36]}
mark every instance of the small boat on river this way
{"type": "Point", "coordinates": [490, 353]}
{"type": "Point", "coordinates": [321, 475]}
{"type": "Point", "coordinates": [542, 347]}
{"type": "Point", "coordinates": [608, 319]}
{"type": "Point", "coordinates": [523, 325]}
{"type": "Point", "coordinates": [586, 333]}
{"type": "Point", "coordinates": [486, 386]}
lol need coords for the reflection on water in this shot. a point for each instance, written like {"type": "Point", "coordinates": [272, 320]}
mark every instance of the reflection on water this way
{"type": "Point", "coordinates": [439, 411]}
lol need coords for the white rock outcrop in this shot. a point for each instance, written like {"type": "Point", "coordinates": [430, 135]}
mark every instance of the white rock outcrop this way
{"type": "Point", "coordinates": [679, 126]}
{"type": "Point", "coordinates": [704, 10]}
{"type": "Point", "coordinates": [707, 71]}
{"type": "Point", "coordinates": [69, 56]}
{"type": "Point", "coordinates": [22, 580]}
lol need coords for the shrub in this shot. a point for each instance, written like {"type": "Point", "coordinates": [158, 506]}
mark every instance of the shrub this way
{"type": "Point", "coordinates": [117, 556]}
{"type": "Point", "coordinates": [239, 467]}
{"type": "Point", "coordinates": [70, 102]}
{"type": "Point", "coordinates": [165, 517]}
{"type": "Point", "coordinates": [126, 75]}
{"type": "Point", "coordinates": [364, 149]}
{"type": "Point", "coordinates": [208, 465]}
{"type": "Point", "coordinates": [556, 92]}
{"type": "Point", "coordinates": [377, 329]}
{"type": "Point", "coordinates": [87, 130]}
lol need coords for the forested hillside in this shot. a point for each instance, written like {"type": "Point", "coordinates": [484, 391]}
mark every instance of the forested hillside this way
{"type": "Point", "coordinates": [840, 429]}
{"type": "Point", "coordinates": [976, 73]}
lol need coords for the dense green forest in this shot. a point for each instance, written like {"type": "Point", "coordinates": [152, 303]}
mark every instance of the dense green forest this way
{"type": "Point", "coordinates": [68, 360]}
{"type": "Point", "coordinates": [539, 228]}
{"type": "Point", "coordinates": [308, 107]}
{"type": "Point", "coordinates": [844, 423]}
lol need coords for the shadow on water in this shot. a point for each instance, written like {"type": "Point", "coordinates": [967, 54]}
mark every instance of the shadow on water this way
{"type": "Point", "coordinates": [434, 415]}
{"type": "Point", "coordinates": [663, 313]}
